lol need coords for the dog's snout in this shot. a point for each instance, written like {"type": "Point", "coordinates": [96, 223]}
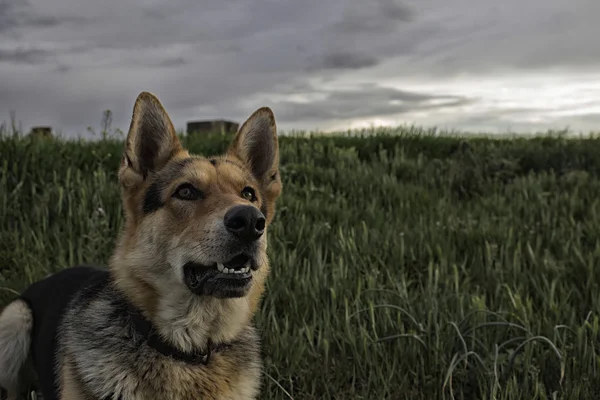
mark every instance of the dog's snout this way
{"type": "Point", "coordinates": [245, 222]}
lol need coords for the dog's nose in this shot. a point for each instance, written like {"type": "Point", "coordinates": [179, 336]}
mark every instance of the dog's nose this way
{"type": "Point", "coordinates": [245, 222]}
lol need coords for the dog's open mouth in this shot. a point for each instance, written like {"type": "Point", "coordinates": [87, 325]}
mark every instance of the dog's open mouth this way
{"type": "Point", "coordinates": [229, 279]}
{"type": "Point", "coordinates": [240, 264]}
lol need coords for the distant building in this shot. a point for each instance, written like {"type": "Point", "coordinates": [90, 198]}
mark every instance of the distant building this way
{"type": "Point", "coordinates": [41, 131]}
{"type": "Point", "coordinates": [215, 126]}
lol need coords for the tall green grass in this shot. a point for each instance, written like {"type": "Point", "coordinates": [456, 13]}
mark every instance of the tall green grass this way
{"type": "Point", "coordinates": [405, 265]}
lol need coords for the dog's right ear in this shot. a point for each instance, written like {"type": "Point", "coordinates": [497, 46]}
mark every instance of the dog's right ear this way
{"type": "Point", "coordinates": [151, 141]}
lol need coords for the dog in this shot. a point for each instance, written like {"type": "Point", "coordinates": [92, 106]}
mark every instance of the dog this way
{"type": "Point", "coordinates": [170, 317]}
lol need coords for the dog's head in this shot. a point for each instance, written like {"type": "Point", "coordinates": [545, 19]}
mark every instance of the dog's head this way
{"type": "Point", "coordinates": [197, 224]}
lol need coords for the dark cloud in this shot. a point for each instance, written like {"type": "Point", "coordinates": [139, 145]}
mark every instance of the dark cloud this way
{"type": "Point", "coordinates": [485, 38]}
{"type": "Point", "coordinates": [62, 68]}
{"type": "Point", "coordinates": [8, 10]}
{"type": "Point", "coordinates": [363, 101]}
{"type": "Point", "coordinates": [343, 60]}
{"type": "Point", "coordinates": [158, 12]}
{"type": "Point", "coordinates": [379, 16]}
{"type": "Point", "coordinates": [172, 62]}
{"type": "Point", "coordinates": [24, 56]}
{"type": "Point", "coordinates": [17, 15]}
{"type": "Point", "coordinates": [63, 62]}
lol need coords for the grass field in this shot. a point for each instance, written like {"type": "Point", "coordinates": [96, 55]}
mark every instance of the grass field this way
{"type": "Point", "coordinates": [405, 266]}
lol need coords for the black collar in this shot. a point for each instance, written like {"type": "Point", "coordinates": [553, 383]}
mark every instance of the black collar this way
{"type": "Point", "coordinates": [144, 328]}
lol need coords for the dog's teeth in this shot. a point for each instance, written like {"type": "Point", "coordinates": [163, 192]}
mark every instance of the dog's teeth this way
{"type": "Point", "coordinates": [248, 264]}
{"type": "Point", "coordinates": [243, 270]}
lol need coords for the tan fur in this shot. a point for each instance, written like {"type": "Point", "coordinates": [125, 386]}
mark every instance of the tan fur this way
{"type": "Point", "coordinates": [147, 258]}
{"type": "Point", "coordinates": [70, 386]}
{"type": "Point", "coordinates": [179, 383]}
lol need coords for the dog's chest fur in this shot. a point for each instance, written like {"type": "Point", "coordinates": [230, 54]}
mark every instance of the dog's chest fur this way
{"type": "Point", "coordinates": [101, 355]}
{"type": "Point", "coordinates": [149, 378]}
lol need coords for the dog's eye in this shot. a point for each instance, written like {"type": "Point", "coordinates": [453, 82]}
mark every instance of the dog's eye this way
{"type": "Point", "coordinates": [248, 194]}
{"type": "Point", "coordinates": [187, 192]}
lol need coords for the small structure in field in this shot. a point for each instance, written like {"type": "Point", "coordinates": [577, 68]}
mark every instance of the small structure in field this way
{"type": "Point", "coordinates": [212, 126]}
{"type": "Point", "coordinates": [41, 132]}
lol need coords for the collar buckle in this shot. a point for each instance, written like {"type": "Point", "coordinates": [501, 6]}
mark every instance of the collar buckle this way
{"type": "Point", "coordinates": [203, 358]}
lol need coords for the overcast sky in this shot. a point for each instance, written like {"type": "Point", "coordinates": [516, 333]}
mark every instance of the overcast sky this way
{"type": "Point", "coordinates": [490, 65]}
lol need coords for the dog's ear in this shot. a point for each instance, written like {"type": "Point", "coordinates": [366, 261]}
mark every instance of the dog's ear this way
{"type": "Point", "coordinates": [256, 145]}
{"type": "Point", "coordinates": [151, 140]}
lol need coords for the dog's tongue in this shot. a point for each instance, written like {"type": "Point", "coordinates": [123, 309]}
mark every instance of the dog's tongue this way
{"type": "Point", "coordinates": [237, 261]}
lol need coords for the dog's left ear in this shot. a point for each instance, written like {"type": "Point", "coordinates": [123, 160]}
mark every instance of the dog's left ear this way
{"type": "Point", "coordinates": [256, 145]}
